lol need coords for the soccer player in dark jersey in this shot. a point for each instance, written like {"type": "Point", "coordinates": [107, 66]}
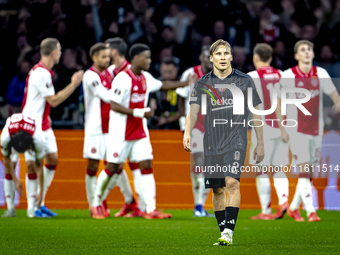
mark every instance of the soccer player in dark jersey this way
{"type": "Point", "coordinates": [225, 137]}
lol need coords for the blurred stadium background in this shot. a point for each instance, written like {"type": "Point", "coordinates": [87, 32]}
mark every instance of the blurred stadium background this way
{"type": "Point", "coordinates": [175, 31]}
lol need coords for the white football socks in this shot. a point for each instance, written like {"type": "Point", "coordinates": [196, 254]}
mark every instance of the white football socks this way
{"type": "Point", "coordinates": [48, 177]}
{"type": "Point", "coordinates": [103, 180]}
{"type": "Point", "coordinates": [296, 200]}
{"type": "Point", "coordinates": [31, 190]}
{"type": "Point", "coordinates": [198, 188]}
{"type": "Point", "coordinates": [137, 176]}
{"type": "Point", "coordinates": [305, 188]}
{"type": "Point", "coordinates": [9, 189]}
{"type": "Point", "coordinates": [149, 191]}
{"type": "Point", "coordinates": [124, 186]}
{"type": "Point", "coordinates": [264, 192]}
{"type": "Point", "coordinates": [90, 184]}
{"type": "Point", "coordinates": [281, 186]}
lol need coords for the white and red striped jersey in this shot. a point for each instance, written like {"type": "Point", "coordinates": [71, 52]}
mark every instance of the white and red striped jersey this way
{"type": "Point", "coordinates": [317, 81]}
{"type": "Point", "coordinates": [18, 121]}
{"type": "Point", "coordinates": [96, 86]}
{"type": "Point", "coordinates": [267, 79]}
{"type": "Point", "coordinates": [39, 85]}
{"type": "Point", "coordinates": [185, 93]}
{"type": "Point", "coordinates": [123, 66]}
{"type": "Point", "coordinates": [131, 91]}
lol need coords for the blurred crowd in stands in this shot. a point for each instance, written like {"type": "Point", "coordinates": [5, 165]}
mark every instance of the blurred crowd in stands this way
{"type": "Point", "coordinates": [175, 30]}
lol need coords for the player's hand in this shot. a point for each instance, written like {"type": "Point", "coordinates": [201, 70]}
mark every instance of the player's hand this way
{"type": "Point", "coordinates": [162, 121]}
{"type": "Point", "coordinates": [149, 114]}
{"type": "Point", "coordinates": [77, 77]}
{"type": "Point", "coordinates": [192, 79]}
{"type": "Point", "coordinates": [19, 188]}
{"type": "Point", "coordinates": [259, 153]}
{"type": "Point", "coordinates": [284, 136]}
{"type": "Point", "coordinates": [336, 107]}
{"type": "Point", "coordinates": [187, 142]}
{"type": "Point", "coordinates": [49, 121]}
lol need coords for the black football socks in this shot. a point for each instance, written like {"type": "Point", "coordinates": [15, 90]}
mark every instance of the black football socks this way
{"type": "Point", "coordinates": [220, 217]}
{"type": "Point", "coordinates": [231, 214]}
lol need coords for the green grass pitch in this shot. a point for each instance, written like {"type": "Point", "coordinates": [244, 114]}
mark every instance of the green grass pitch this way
{"type": "Point", "coordinates": [74, 232]}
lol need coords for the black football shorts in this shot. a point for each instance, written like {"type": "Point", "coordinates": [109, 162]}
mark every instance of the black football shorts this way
{"type": "Point", "coordinates": [217, 167]}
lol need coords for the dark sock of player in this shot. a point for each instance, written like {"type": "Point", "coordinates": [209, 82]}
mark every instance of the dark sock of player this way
{"type": "Point", "coordinates": [231, 214]}
{"type": "Point", "coordinates": [220, 217]}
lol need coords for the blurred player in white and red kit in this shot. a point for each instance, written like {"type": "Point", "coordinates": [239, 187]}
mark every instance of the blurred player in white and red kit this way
{"type": "Point", "coordinates": [38, 98]}
{"type": "Point", "coordinates": [197, 178]}
{"type": "Point", "coordinates": [267, 79]}
{"type": "Point", "coordinates": [118, 48]}
{"type": "Point", "coordinates": [128, 132]}
{"type": "Point", "coordinates": [19, 136]}
{"type": "Point", "coordinates": [96, 83]}
{"type": "Point", "coordinates": [306, 137]}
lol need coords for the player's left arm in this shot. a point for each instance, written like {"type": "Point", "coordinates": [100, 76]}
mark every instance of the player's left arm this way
{"type": "Point", "coordinates": [259, 150]}
{"type": "Point", "coordinates": [284, 134]}
{"type": "Point", "coordinates": [336, 100]}
{"type": "Point", "coordinates": [329, 88]}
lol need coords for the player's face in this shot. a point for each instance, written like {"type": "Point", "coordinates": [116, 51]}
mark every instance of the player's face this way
{"type": "Point", "coordinates": [221, 58]}
{"type": "Point", "coordinates": [144, 60]}
{"type": "Point", "coordinates": [304, 54]}
{"type": "Point", "coordinates": [56, 54]}
{"type": "Point", "coordinates": [205, 60]}
{"type": "Point", "coordinates": [103, 58]}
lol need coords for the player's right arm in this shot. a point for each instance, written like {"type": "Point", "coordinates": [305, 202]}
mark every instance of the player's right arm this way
{"type": "Point", "coordinates": [195, 105]}
{"type": "Point", "coordinates": [92, 82]}
{"type": "Point", "coordinates": [61, 96]}
{"type": "Point", "coordinates": [189, 125]}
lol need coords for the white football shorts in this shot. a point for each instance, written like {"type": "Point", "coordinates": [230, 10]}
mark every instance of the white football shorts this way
{"type": "Point", "coordinates": [95, 146]}
{"type": "Point", "coordinates": [305, 148]}
{"type": "Point", "coordinates": [137, 150]}
{"type": "Point", "coordinates": [49, 145]}
{"type": "Point", "coordinates": [276, 152]}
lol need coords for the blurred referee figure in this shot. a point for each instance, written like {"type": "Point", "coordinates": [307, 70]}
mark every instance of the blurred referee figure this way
{"type": "Point", "coordinates": [225, 144]}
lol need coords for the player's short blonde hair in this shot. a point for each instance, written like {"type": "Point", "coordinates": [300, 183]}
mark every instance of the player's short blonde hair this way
{"type": "Point", "coordinates": [217, 44]}
{"type": "Point", "coordinates": [301, 42]}
{"type": "Point", "coordinates": [48, 45]}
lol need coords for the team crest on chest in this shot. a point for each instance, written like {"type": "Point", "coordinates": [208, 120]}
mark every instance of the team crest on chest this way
{"type": "Point", "coordinates": [193, 93]}
{"type": "Point", "coordinates": [314, 81]}
{"type": "Point", "coordinates": [221, 89]}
